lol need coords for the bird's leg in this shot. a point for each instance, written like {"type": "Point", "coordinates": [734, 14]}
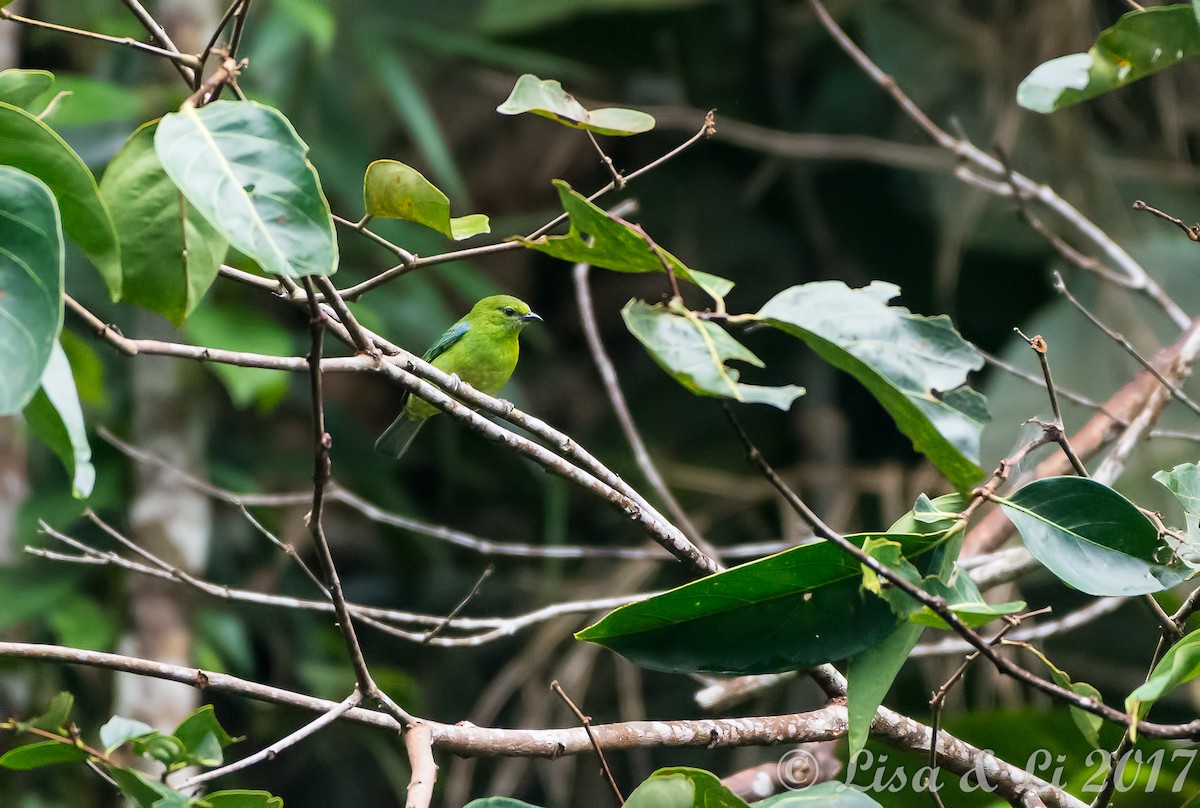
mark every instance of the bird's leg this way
{"type": "Point", "coordinates": [455, 383]}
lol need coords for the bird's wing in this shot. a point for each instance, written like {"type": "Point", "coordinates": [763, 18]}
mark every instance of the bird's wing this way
{"type": "Point", "coordinates": [453, 334]}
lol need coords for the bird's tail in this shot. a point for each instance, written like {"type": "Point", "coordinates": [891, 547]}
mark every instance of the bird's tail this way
{"type": "Point", "coordinates": [399, 435]}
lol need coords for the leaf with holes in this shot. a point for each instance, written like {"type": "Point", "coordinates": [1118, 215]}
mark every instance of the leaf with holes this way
{"type": "Point", "coordinates": [916, 367]}
{"type": "Point", "coordinates": [242, 165]}
{"type": "Point", "coordinates": [31, 285]}
{"type": "Point", "coordinates": [695, 353]}
{"type": "Point", "coordinates": [548, 99]}
{"type": "Point", "coordinates": [394, 190]}
{"type": "Point", "coordinates": [1091, 537]}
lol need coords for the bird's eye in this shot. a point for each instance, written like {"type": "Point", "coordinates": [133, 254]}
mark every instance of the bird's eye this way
{"type": "Point", "coordinates": [509, 311]}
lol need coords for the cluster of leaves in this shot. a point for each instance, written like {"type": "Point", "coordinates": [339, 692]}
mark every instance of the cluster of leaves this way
{"type": "Point", "coordinates": [199, 740]}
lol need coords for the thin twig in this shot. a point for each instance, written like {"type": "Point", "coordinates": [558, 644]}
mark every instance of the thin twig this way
{"type": "Point", "coordinates": [185, 60]}
{"type": "Point", "coordinates": [436, 630]}
{"type": "Point", "coordinates": [618, 180]}
{"type": "Point", "coordinates": [1191, 231]}
{"type": "Point", "coordinates": [586, 721]}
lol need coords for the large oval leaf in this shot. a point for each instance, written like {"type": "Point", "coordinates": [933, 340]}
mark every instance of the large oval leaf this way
{"type": "Point", "coordinates": [41, 753]}
{"type": "Point", "coordinates": [170, 254]}
{"type": "Point", "coordinates": [55, 416]}
{"type": "Point", "coordinates": [245, 169]}
{"type": "Point", "coordinates": [28, 144]}
{"type": "Point", "coordinates": [916, 367]}
{"type": "Point", "coordinates": [796, 609]}
{"type": "Point", "coordinates": [1141, 43]}
{"type": "Point", "coordinates": [695, 353]}
{"type": "Point", "coordinates": [31, 278]}
{"type": "Point", "coordinates": [1091, 537]}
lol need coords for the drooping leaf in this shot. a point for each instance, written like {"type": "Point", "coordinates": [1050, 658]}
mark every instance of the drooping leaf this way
{"type": "Point", "coordinates": [242, 165]}
{"type": "Point", "coordinates": [695, 353]}
{"type": "Point", "coordinates": [117, 730]}
{"type": "Point", "coordinates": [916, 367]}
{"type": "Point", "coordinates": [598, 239]}
{"type": "Point", "coordinates": [31, 279]}
{"type": "Point", "coordinates": [796, 609]}
{"type": "Point", "coordinates": [1180, 665]}
{"type": "Point", "coordinates": [397, 191]}
{"type": "Point", "coordinates": [57, 713]}
{"type": "Point", "coordinates": [41, 753]}
{"type": "Point", "coordinates": [548, 99]}
{"type": "Point", "coordinates": [21, 87]}
{"type": "Point", "coordinates": [1088, 723]}
{"type": "Point", "coordinates": [1091, 537]}
{"type": "Point", "coordinates": [1184, 482]}
{"type": "Point", "coordinates": [55, 416]}
{"type": "Point", "coordinates": [238, 328]}
{"type": "Point", "coordinates": [1141, 43]}
{"type": "Point", "coordinates": [170, 254]}
{"type": "Point", "coordinates": [32, 146]}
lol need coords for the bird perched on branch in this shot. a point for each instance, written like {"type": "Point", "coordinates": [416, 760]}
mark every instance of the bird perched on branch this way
{"type": "Point", "coordinates": [480, 349]}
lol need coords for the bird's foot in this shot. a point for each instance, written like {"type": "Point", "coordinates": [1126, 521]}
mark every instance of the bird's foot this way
{"type": "Point", "coordinates": [455, 383]}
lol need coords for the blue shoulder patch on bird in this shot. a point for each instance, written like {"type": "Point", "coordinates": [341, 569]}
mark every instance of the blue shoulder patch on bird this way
{"type": "Point", "coordinates": [453, 334]}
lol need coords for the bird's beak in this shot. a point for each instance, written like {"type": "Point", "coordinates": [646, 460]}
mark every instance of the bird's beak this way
{"type": "Point", "coordinates": [531, 316]}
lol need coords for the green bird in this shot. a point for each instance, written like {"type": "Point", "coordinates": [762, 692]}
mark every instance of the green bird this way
{"type": "Point", "coordinates": [480, 349]}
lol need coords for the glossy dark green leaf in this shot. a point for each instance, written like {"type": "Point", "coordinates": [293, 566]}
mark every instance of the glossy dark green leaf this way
{"type": "Point", "coordinates": [821, 795]}
{"type": "Point", "coordinates": [796, 609]}
{"type": "Point", "coordinates": [32, 146]}
{"type": "Point", "coordinates": [548, 99]}
{"type": "Point", "coordinates": [1091, 537]}
{"type": "Point", "coordinates": [203, 722]}
{"type": "Point", "coordinates": [1184, 482]}
{"type": "Point", "coordinates": [242, 165]}
{"type": "Point", "coordinates": [394, 190]}
{"type": "Point", "coordinates": [56, 715]}
{"type": "Point", "coordinates": [146, 791]}
{"type": "Point", "coordinates": [916, 367]}
{"type": "Point", "coordinates": [1141, 43]}
{"type": "Point", "coordinates": [696, 354]}
{"type": "Point", "coordinates": [41, 753]}
{"type": "Point", "coordinates": [21, 87]}
{"type": "Point", "coordinates": [603, 241]}
{"type": "Point", "coordinates": [963, 598]}
{"type": "Point", "coordinates": [31, 278]}
{"type": "Point", "coordinates": [54, 415]}
{"type": "Point", "coordinates": [170, 254]}
{"type": "Point", "coordinates": [1180, 665]}
{"type": "Point", "coordinates": [117, 730]}
{"type": "Point", "coordinates": [242, 798]}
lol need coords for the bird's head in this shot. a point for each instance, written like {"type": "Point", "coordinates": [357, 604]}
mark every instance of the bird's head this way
{"type": "Point", "coordinates": [503, 311]}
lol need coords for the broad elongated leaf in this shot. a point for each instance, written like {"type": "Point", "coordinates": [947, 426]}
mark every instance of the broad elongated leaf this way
{"type": "Point", "coordinates": [397, 191]}
{"type": "Point", "coordinates": [1180, 665]}
{"type": "Point", "coordinates": [598, 239]}
{"type": "Point", "coordinates": [916, 367]}
{"type": "Point", "coordinates": [695, 353]}
{"type": "Point", "coordinates": [1184, 482]}
{"type": "Point", "coordinates": [1141, 43]}
{"type": "Point", "coordinates": [28, 144]}
{"type": "Point", "coordinates": [31, 277]}
{"type": "Point", "coordinates": [1091, 537]}
{"type": "Point", "coordinates": [795, 609]}
{"type": "Point", "coordinates": [55, 416]}
{"type": "Point", "coordinates": [41, 753]}
{"type": "Point", "coordinates": [170, 254]}
{"type": "Point", "coordinates": [242, 165]}
{"type": "Point", "coordinates": [21, 87]}
{"type": "Point", "coordinates": [548, 99]}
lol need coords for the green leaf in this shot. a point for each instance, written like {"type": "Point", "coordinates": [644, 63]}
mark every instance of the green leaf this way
{"type": "Point", "coordinates": [237, 328]}
{"type": "Point", "coordinates": [166, 749]}
{"type": "Point", "coordinates": [170, 254]}
{"type": "Point", "coordinates": [197, 727]}
{"type": "Point", "coordinates": [695, 352]}
{"type": "Point", "coordinates": [598, 239]}
{"type": "Point", "coordinates": [1184, 482]}
{"type": "Point", "coordinates": [42, 753]}
{"type": "Point", "coordinates": [1091, 537]}
{"type": "Point", "coordinates": [499, 802]}
{"type": "Point", "coordinates": [80, 622]}
{"type": "Point", "coordinates": [242, 165]}
{"type": "Point", "coordinates": [1141, 43]}
{"type": "Point", "coordinates": [511, 17]}
{"type": "Point", "coordinates": [548, 99]}
{"type": "Point", "coordinates": [80, 100]}
{"type": "Point", "coordinates": [706, 789]}
{"type": "Point", "coordinates": [32, 146]}
{"type": "Point", "coordinates": [796, 609]}
{"type": "Point", "coordinates": [1088, 723]}
{"type": "Point", "coordinates": [1180, 665]}
{"type": "Point", "coordinates": [668, 791]}
{"type": "Point", "coordinates": [145, 791]}
{"type": "Point", "coordinates": [56, 715]}
{"type": "Point", "coordinates": [820, 795]}
{"type": "Point", "coordinates": [31, 284]}
{"type": "Point", "coordinates": [916, 367]}
{"type": "Point", "coordinates": [20, 88]}
{"type": "Point", "coordinates": [242, 798]}
{"type": "Point", "coordinates": [118, 730]}
{"type": "Point", "coordinates": [397, 191]}
{"type": "Point", "coordinates": [30, 592]}
{"type": "Point", "coordinates": [54, 415]}
{"type": "Point", "coordinates": [963, 598]}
